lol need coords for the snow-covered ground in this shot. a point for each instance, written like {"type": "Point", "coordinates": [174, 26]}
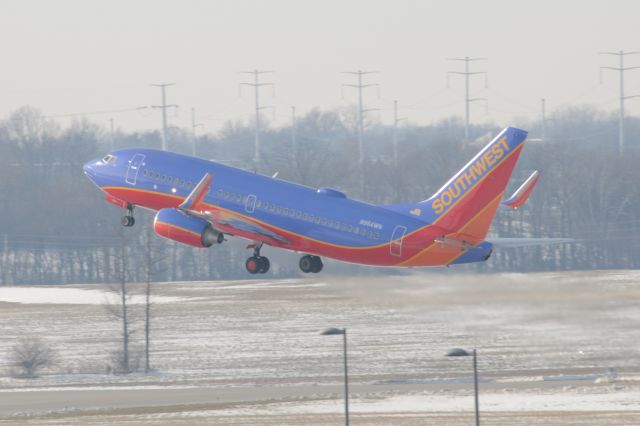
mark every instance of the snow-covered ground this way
{"type": "Point", "coordinates": [555, 342]}
{"type": "Point", "coordinates": [60, 295]}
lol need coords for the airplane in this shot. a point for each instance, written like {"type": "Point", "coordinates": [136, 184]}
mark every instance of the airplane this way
{"type": "Point", "coordinates": [200, 202]}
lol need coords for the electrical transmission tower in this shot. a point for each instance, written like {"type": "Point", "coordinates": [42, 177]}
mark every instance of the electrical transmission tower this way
{"type": "Point", "coordinates": [257, 85]}
{"type": "Point", "coordinates": [361, 109]}
{"type": "Point", "coordinates": [396, 121]}
{"type": "Point", "coordinates": [467, 99]}
{"type": "Point", "coordinates": [621, 69]}
{"type": "Point", "coordinates": [164, 107]}
{"type": "Point", "coordinates": [194, 126]}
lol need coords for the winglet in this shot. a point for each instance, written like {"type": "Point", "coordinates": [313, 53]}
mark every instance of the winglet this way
{"type": "Point", "coordinates": [194, 200]}
{"type": "Point", "coordinates": [522, 194]}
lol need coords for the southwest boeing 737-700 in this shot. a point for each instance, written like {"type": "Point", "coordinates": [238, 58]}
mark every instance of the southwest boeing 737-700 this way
{"type": "Point", "coordinates": [198, 202]}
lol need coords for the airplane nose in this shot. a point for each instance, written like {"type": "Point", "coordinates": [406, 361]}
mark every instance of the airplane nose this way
{"type": "Point", "coordinates": [89, 169]}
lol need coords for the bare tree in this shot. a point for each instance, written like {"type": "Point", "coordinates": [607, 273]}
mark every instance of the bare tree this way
{"type": "Point", "coordinates": [150, 265]}
{"type": "Point", "coordinates": [121, 309]}
{"type": "Point", "coordinates": [30, 355]}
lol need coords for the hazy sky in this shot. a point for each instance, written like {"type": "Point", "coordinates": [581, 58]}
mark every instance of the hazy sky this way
{"type": "Point", "coordinates": [80, 56]}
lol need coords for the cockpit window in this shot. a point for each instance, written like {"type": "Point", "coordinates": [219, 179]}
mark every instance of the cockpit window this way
{"type": "Point", "coordinates": [109, 159]}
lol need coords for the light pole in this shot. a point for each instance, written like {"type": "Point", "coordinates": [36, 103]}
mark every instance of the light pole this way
{"type": "Point", "coordinates": [331, 331]}
{"type": "Point", "coordinates": [462, 352]}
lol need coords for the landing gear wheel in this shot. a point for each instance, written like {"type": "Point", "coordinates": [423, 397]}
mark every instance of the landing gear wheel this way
{"type": "Point", "coordinates": [317, 264]}
{"type": "Point", "coordinates": [264, 265]}
{"type": "Point", "coordinates": [253, 265]}
{"type": "Point", "coordinates": [257, 265]}
{"type": "Point", "coordinates": [310, 263]}
{"type": "Point", "coordinates": [128, 220]}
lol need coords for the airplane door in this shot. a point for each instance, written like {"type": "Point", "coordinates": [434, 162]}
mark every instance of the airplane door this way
{"type": "Point", "coordinates": [250, 203]}
{"type": "Point", "coordinates": [134, 168]}
{"type": "Point", "coordinates": [396, 240]}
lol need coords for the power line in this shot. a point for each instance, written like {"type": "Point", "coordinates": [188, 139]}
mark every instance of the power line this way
{"type": "Point", "coordinates": [361, 110]}
{"type": "Point", "coordinates": [621, 69]}
{"type": "Point", "coordinates": [467, 99]}
{"type": "Point", "coordinates": [164, 107]}
{"type": "Point", "coordinates": [99, 112]}
{"type": "Point", "coordinates": [257, 85]}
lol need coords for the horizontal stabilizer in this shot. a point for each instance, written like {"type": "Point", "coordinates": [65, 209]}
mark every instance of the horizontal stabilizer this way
{"type": "Point", "coordinates": [528, 242]}
{"type": "Point", "coordinates": [522, 194]}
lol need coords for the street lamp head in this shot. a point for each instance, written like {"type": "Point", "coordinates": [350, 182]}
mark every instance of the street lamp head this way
{"type": "Point", "coordinates": [458, 352]}
{"type": "Point", "coordinates": [333, 331]}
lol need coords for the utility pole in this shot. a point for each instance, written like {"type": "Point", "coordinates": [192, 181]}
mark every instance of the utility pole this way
{"type": "Point", "coordinates": [294, 142]}
{"type": "Point", "coordinates": [111, 135]}
{"type": "Point", "coordinates": [544, 119]}
{"type": "Point", "coordinates": [256, 85]}
{"type": "Point", "coordinates": [5, 263]}
{"type": "Point", "coordinates": [396, 120]}
{"type": "Point", "coordinates": [621, 69]}
{"type": "Point", "coordinates": [361, 109]}
{"type": "Point", "coordinates": [467, 99]}
{"type": "Point", "coordinates": [164, 107]}
{"type": "Point", "coordinates": [194, 125]}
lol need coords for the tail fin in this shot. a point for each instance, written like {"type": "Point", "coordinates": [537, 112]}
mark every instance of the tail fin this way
{"type": "Point", "coordinates": [467, 203]}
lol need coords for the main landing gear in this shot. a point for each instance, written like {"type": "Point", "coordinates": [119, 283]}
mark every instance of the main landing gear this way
{"type": "Point", "coordinates": [310, 263]}
{"type": "Point", "coordinates": [128, 220]}
{"type": "Point", "coordinates": [257, 264]}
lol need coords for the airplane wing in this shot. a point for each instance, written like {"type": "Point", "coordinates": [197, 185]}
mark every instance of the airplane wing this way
{"type": "Point", "coordinates": [528, 242]}
{"type": "Point", "coordinates": [226, 221]}
{"type": "Point", "coordinates": [523, 192]}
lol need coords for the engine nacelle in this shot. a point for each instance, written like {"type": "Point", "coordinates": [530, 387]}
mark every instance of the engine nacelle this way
{"type": "Point", "coordinates": [179, 226]}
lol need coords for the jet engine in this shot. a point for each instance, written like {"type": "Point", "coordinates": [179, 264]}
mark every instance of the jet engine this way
{"type": "Point", "coordinates": [179, 226]}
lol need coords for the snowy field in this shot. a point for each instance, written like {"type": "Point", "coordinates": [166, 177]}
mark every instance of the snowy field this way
{"type": "Point", "coordinates": [553, 348]}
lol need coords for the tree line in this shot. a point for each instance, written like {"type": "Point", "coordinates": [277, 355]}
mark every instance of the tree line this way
{"type": "Point", "coordinates": [56, 228]}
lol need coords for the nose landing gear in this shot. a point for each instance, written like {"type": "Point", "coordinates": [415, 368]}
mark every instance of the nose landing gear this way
{"type": "Point", "coordinates": [128, 220]}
